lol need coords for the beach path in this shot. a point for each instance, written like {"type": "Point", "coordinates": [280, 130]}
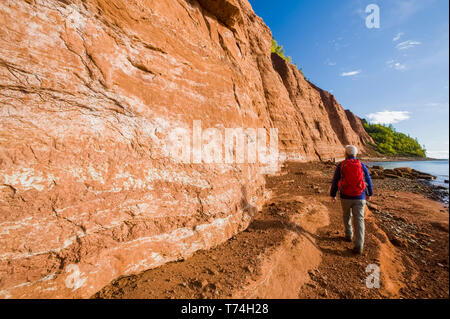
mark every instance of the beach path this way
{"type": "Point", "coordinates": [295, 248]}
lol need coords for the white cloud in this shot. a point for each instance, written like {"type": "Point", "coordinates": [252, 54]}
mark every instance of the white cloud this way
{"type": "Point", "coordinates": [329, 62]}
{"type": "Point", "coordinates": [338, 43]}
{"type": "Point", "coordinates": [398, 36]}
{"type": "Point", "coordinates": [396, 65]}
{"type": "Point", "coordinates": [351, 73]}
{"type": "Point", "coordinates": [407, 44]}
{"type": "Point", "coordinates": [399, 66]}
{"type": "Point", "coordinates": [388, 117]}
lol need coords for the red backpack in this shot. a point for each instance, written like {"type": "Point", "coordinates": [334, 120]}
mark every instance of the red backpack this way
{"type": "Point", "coordinates": [352, 178]}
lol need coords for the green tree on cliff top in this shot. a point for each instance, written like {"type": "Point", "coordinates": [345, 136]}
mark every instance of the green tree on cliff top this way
{"type": "Point", "coordinates": [278, 49]}
{"type": "Point", "coordinates": [390, 142]}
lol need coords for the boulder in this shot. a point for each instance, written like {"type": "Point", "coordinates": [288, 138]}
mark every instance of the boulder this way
{"type": "Point", "coordinates": [426, 177]}
{"type": "Point", "coordinates": [403, 169]}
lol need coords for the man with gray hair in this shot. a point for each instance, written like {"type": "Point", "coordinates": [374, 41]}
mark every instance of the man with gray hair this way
{"type": "Point", "coordinates": [353, 181]}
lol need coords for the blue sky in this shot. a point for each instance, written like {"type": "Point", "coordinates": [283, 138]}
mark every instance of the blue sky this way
{"type": "Point", "coordinates": [397, 73]}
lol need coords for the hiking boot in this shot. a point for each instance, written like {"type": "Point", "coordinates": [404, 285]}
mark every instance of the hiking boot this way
{"type": "Point", "coordinates": [357, 250]}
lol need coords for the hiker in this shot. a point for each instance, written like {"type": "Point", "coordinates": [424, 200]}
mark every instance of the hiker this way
{"type": "Point", "coordinates": [353, 181]}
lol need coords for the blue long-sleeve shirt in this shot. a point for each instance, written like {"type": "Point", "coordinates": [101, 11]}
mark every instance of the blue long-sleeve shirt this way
{"type": "Point", "coordinates": [337, 177]}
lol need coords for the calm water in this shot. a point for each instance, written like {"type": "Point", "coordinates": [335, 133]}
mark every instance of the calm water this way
{"type": "Point", "coordinates": [437, 168]}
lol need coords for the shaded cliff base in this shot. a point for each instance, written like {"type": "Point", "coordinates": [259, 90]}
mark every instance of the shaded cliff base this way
{"type": "Point", "coordinates": [294, 248]}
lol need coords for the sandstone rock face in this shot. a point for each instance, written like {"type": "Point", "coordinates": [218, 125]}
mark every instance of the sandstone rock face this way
{"type": "Point", "coordinates": [358, 127]}
{"type": "Point", "coordinates": [319, 126]}
{"type": "Point", "coordinates": [89, 94]}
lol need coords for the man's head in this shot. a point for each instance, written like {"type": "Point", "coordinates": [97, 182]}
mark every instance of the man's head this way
{"type": "Point", "coordinates": [351, 151]}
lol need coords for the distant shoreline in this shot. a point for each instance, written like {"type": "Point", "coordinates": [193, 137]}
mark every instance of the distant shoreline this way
{"type": "Point", "coordinates": [427, 187]}
{"type": "Point", "coordinates": [431, 190]}
{"type": "Point", "coordinates": [401, 159]}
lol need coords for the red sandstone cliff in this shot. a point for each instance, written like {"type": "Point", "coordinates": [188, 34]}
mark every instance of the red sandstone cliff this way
{"type": "Point", "coordinates": [358, 127]}
{"type": "Point", "coordinates": [88, 93]}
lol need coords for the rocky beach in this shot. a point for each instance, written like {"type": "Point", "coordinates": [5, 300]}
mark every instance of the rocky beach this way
{"type": "Point", "coordinates": [409, 180]}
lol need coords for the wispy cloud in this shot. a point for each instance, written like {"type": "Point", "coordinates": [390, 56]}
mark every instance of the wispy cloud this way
{"type": "Point", "coordinates": [351, 73]}
{"type": "Point", "coordinates": [407, 44]}
{"type": "Point", "coordinates": [338, 43]}
{"type": "Point", "coordinates": [396, 65]}
{"type": "Point", "coordinates": [388, 117]}
{"type": "Point", "coordinates": [330, 63]}
{"type": "Point", "coordinates": [398, 36]}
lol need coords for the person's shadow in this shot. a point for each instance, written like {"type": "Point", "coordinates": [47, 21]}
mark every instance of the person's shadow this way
{"type": "Point", "coordinates": [314, 239]}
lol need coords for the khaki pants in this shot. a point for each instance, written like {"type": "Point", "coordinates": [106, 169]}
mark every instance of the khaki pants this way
{"type": "Point", "coordinates": [354, 208]}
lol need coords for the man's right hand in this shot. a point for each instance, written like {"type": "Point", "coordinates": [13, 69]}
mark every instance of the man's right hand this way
{"type": "Point", "coordinates": [334, 199]}
{"type": "Point", "coordinates": [368, 198]}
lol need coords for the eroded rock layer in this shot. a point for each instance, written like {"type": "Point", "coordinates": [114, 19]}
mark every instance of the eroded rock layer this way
{"type": "Point", "coordinates": [89, 93]}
